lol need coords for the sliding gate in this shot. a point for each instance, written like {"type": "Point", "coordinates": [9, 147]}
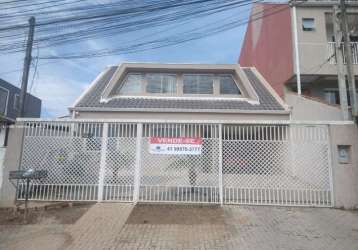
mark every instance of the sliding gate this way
{"type": "Point", "coordinates": [277, 165]}
{"type": "Point", "coordinates": [272, 164]}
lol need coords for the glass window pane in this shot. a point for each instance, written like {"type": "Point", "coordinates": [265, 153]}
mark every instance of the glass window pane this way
{"type": "Point", "coordinates": [308, 24]}
{"type": "Point", "coordinates": [3, 101]}
{"type": "Point", "coordinates": [154, 83]}
{"type": "Point", "coordinates": [161, 83]}
{"type": "Point", "coordinates": [132, 84]}
{"type": "Point", "coordinates": [331, 96]}
{"type": "Point", "coordinates": [198, 84]}
{"type": "Point", "coordinates": [228, 86]}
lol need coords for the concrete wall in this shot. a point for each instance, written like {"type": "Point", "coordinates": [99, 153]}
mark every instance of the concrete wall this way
{"type": "Point", "coordinates": [2, 155]}
{"type": "Point", "coordinates": [310, 110]}
{"type": "Point", "coordinates": [11, 162]}
{"type": "Point", "coordinates": [345, 176]}
{"type": "Point", "coordinates": [268, 44]}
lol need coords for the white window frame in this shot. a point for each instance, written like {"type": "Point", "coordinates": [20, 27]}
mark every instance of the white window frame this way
{"type": "Point", "coordinates": [7, 99]}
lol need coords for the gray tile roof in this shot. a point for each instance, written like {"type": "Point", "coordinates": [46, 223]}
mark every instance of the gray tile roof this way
{"type": "Point", "coordinates": [92, 99]}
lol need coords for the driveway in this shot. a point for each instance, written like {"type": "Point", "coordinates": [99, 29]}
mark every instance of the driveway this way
{"type": "Point", "coordinates": [122, 226]}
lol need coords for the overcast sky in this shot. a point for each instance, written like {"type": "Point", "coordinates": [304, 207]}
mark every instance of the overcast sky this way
{"type": "Point", "coordinates": [58, 83]}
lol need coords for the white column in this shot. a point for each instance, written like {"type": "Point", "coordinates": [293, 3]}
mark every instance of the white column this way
{"type": "Point", "coordinates": [297, 56]}
{"type": "Point", "coordinates": [102, 169]}
{"type": "Point", "coordinates": [138, 163]}
{"type": "Point", "coordinates": [221, 165]}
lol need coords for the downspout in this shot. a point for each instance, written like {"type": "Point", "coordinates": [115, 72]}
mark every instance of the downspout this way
{"type": "Point", "coordinates": [297, 57]}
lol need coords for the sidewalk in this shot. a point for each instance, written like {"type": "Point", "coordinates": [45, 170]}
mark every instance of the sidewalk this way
{"type": "Point", "coordinates": [122, 226]}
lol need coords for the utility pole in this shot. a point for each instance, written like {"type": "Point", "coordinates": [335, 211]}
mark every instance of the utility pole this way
{"type": "Point", "coordinates": [27, 62]}
{"type": "Point", "coordinates": [349, 59]}
{"type": "Point", "coordinates": [340, 64]}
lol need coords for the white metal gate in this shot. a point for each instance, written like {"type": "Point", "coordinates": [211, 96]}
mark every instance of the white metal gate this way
{"type": "Point", "coordinates": [271, 164]}
{"type": "Point", "coordinates": [180, 178]}
{"type": "Point", "coordinates": [276, 164]}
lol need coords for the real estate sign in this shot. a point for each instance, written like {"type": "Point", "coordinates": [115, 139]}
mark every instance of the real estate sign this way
{"type": "Point", "coordinates": [175, 146]}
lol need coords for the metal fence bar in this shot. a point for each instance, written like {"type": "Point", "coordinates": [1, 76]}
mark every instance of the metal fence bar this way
{"type": "Point", "coordinates": [221, 187]}
{"type": "Point", "coordinates": [138, 163]}
{"type": "Point", "coordinates": [330, 169]}
{"type": "Point", "coordinates": [103, 162]}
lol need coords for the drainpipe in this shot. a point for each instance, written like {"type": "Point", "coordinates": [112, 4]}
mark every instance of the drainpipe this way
{"type": "Point", "coordinates": [297, 57]}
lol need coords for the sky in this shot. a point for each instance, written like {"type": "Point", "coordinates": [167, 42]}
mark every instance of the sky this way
{"type": "Point", "coordinates": [58, 83]}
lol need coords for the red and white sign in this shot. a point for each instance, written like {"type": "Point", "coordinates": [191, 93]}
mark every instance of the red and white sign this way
{"type": "Point", "coordinates": [175, 146]}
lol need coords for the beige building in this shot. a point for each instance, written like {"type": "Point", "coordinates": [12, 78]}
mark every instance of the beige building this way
{"type": "Point", "coordinates": [273, 48]}
{"type": "Point", "coordinates": [180, 92]}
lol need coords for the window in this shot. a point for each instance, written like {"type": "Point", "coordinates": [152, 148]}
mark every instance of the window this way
{"type": "Point", "coordinates": [4, 93]}
{"type": "Point", "coordinates": [132, 84]}
{"type": "Point", "coordinates": [331, 96]}
{"type": "Point", "coordinates": [16, 101]}
{"type": "Point", "coordinates": [198, 84]}
{"type": "Point", "coordinates": [161, 83]}
{"type": "Point", "coordinates": [308, 24]}
{"type": "Point", "coordinates": [167, 84]}
{"type": "Point", "coordinates": [228, 86]}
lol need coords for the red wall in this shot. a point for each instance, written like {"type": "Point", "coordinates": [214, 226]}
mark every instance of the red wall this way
{"type": "Point", "coordinates": [273, 53]}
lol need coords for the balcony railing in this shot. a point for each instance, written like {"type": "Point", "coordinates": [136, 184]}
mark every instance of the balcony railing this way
{"type": "Point", "coordinates": [332, 53]}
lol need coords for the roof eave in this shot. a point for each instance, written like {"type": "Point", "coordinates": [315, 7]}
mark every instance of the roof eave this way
{"type": "Point", "coordinates": [170, 110]}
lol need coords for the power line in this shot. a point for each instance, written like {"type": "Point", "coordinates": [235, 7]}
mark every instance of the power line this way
{"type": "Point", "coordinates": [92, 28]}
{"type": "Point", "coordinates": [169, 41]}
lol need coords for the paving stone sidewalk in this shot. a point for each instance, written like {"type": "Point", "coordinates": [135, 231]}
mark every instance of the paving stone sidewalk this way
{"type": "Point", "coordinates": [99, 227]}
{"type": "Point", "coordinates": [122, 226]}
{"type": "Point", "coordinates": [242, 227]}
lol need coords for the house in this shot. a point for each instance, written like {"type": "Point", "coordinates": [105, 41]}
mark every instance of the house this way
{"type": "Point", "coordinates": [180, 92]}
{"type": "Point", "coordinates": [269, 46]}
{"type": "Point", "coordinates": [184, 133]}
{"type": "Point", "coordinates": [9, 106]}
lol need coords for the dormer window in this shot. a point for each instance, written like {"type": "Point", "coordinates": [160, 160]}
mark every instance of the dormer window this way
{"type": "Point", "coordinates": [161, 83]}
{"type": "Point", "coordinates": [198, 84]}
{"type": "Point", "coordinates": [178, 84]}
{"type": "Point", "coordinates": [228, 86]}
{"type": "Point", "coordinates": [132, 85]}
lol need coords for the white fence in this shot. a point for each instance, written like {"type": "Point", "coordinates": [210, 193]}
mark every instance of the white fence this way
{"type": "Point", "coordinates": [271, 164]}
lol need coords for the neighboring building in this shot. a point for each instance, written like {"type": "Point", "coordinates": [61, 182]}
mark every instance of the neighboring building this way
{"type": "Point", "coordinates": [269, 46]}
{"type": "Point", "coordinates": [9, 105]}
{"type": "Point", "coordinates": [180, 92]}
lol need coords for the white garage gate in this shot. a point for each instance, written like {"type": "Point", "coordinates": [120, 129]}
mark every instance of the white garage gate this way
{"type": "Point", "coordinates": [266, 163]}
